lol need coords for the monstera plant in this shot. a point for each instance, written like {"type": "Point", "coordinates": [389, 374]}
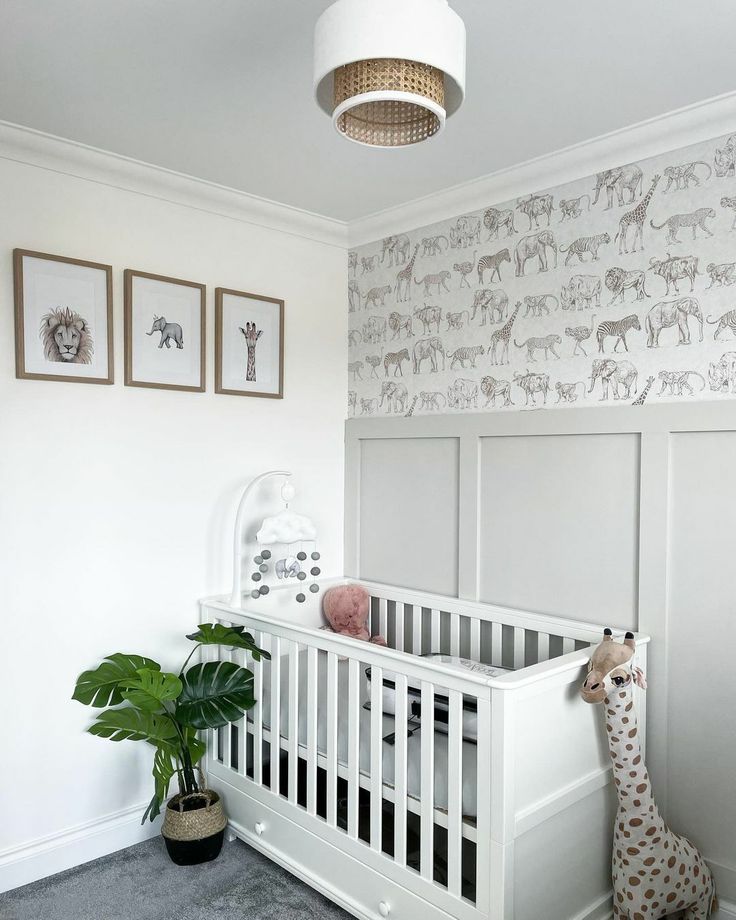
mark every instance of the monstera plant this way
{"type": "Point", "coordinates": [140, 702]}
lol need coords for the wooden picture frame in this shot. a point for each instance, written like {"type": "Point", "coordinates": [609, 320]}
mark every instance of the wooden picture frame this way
{"type": "Point", "coordinates": [225, 371]}
{"type": "Point", "coordinates": [170, 332]}
{"type": "Point", "coordinates": [81, 320]}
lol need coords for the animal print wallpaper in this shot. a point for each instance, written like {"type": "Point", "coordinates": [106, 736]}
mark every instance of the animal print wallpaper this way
{"type": "Point", "coordinates": [617, 288]}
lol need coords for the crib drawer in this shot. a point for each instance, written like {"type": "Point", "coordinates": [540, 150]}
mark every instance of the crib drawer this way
{"type": "Point", "coordinates": [357, 888]}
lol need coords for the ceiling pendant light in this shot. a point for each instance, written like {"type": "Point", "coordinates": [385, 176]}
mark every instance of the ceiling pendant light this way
{"type": "Point", "coordinates": [389, 72]}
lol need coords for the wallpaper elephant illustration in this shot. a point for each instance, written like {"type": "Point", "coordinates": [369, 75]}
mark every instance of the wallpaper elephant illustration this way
{"type": "Point", "coordinates": [535, 244]}
{"type": "Point", "coordinates": [621, 375]}
{"type": "Point", "coordinates": [673, 313]}
{"type": "Point", "coordinates": [395, 396]}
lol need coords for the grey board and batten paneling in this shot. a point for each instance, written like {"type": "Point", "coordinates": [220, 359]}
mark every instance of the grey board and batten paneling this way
{"type": "Point", "coordinates": [623, 517]}
{"type": "Point", "coordinates": [409, 512]}
{"type": "Point", "coordinates": [536, 547]}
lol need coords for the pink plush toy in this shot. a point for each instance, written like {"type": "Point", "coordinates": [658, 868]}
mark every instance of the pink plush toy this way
{"type": "Point", "coordinates": [346, 608]}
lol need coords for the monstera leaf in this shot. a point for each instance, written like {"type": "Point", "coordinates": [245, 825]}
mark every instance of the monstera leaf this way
{"type": "Point", "coordinates": [150, 689]}
{"type": "Point", "coordinates": [164, 769]}
{"type": "Point", "coordinates": [229, 636]}
{"type": "Point", "coordinates": [214, 694]}
{"type": "Point", "coordinates": [196, 747]}
{"type": "Point", "coordinates": [103, 686]}
{"type": "Point", "coordinates": [131, 724]}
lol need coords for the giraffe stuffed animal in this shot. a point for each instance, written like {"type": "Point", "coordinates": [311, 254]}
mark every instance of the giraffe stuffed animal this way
{"type": "Point", "coordinates": [656, 873]}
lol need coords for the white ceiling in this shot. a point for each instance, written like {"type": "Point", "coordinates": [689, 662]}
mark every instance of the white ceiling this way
{"type": "Point", "coordinates": [221, 89]}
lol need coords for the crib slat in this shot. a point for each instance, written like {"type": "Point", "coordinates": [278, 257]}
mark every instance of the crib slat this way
{"type": "Point", "coordinates": [454, 634]}
{"type": "Point", "coordinates": [435, 631]}
{"type": "Point", "coordinates": [399, 625]}
{"type": "Point", "coordinates": [312, 687]}
{"type": "Point", "coordinates": [426, 858]}
{"type": "Point", "coordinates": [400, 749]}
{"type": "Point", "coordinates": [275, 751]}
{"type": "Point", "coordinates": [241, 657]}
{"type": "Point", "coordinates": [496, 644]}
{"type": "Point", "coordinates": [454, 792]}
{"type": "Point", "coordinates": [542, 646]}
{"type": "Point", "coordinates": [376, 756]}
{"type": "Point", "coordinates": [483, 800]}
{"type": "Point", "coordinates": [518, 647]}
{"type": "Point", "coordinates": [293, 744]}
{"type": "Point", "coordinates": [475, 639]}
{"type": "Point", "coordinates": [383, 617]}
{"type": "Point", "coordinates": [568, 645]}
{"type": "Point", "coordinates": [257, 667]}
{"type": "Point", "coordinates": [353, 746]}
{"type": "Point", "coordinates": [211, 653]}
{"type": "Point", "coordinates": [331, 739]}
{"type": "Point", "coordinates": [225, 654]}
{"type": "Point", "coordinates": [416, 629]}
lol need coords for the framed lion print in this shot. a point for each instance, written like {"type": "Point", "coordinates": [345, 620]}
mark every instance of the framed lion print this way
{"type": "Point", "coordinates": [249, 344]}
{"type": "Point", "coordinates": [164, 332]}
{"type": "Point", "coordinates": [63, 318]}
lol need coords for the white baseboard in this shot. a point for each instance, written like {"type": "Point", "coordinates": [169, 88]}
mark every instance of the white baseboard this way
{"type": "Point", "coordinates": [57, 852]}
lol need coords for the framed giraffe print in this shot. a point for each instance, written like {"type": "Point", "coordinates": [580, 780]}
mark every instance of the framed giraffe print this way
{"type": "Point", "coordinates": [249, 344]}
{"type": "Point", "coordinates": [164, 332]}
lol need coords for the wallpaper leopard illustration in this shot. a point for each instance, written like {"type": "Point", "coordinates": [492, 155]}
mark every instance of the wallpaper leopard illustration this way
{"type": "Point", "coordinates": [580, 295]}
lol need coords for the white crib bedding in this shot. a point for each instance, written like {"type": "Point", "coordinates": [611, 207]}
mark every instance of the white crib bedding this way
{"type": "Point", "coordinates": [413, 743]}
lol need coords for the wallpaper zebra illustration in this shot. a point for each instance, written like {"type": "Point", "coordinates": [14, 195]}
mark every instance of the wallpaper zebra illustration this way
{"type": "Point", "coordinates": [612, 288]}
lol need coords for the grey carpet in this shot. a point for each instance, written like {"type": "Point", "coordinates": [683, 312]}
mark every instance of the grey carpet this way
{"type": "Point", "coordinates": [141, 883]}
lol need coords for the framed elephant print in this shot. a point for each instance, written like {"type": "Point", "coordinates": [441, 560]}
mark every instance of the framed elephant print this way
{"type": "Point", "coordinates": [164, 332]}
{"type": "Point", "coordinates": [249, 344]}
{"type": "Point", "coordinates": [63, 318]}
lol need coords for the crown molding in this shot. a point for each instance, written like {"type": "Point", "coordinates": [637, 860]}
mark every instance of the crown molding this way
{"type": "Point", "coordinates": [57, 154]}
{"type": "Point", "coordinates": [681, 128]}
{"type": "Point", "coordinates": [671, 131]}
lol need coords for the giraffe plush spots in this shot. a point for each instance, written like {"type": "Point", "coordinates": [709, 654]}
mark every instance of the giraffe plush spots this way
{"type": "Point", "coordinates": [655, 871]}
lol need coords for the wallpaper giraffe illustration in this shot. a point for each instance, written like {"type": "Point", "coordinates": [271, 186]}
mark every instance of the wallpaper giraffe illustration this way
{"type": "Point", "coordinates": [577, 295]}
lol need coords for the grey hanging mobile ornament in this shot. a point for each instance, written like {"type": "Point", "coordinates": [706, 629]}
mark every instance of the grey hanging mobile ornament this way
{"type": "Point", "coordinates": [284, 531]}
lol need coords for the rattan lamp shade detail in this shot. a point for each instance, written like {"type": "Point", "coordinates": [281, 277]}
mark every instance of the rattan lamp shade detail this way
{"type": "Point", "coordinates": [389, 72]}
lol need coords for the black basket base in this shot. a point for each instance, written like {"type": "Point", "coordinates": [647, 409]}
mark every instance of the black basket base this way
{"type": "Point", "coordinates": [194, 852]}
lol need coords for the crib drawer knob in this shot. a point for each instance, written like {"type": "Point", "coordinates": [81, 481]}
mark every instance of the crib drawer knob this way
{"type": "Point", "coordinates": [259, 828]}
{"type": "Point", "coordinates": [383, 909]}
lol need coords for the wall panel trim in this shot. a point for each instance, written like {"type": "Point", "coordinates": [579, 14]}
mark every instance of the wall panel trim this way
{"type": "Point", "coordinates": [468, 523]}
{"type": "Point", "coordinates": [653, 592]}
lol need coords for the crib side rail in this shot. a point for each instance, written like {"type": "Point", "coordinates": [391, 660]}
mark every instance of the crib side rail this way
{"type": "Point", "coordinates": [383, 774]}
{"type": "Point", "coordinates": [421, 624]}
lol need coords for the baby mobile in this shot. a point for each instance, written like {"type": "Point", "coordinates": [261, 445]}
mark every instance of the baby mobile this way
{"type": "Point", "coordinates": [288, 541]}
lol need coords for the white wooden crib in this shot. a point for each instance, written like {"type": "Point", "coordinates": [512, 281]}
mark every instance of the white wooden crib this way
{"type": "Point", "coordinates": [514, 824]}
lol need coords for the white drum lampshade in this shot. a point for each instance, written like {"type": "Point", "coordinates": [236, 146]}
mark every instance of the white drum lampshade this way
{"type": "Point", "coordinates": [389, 72]}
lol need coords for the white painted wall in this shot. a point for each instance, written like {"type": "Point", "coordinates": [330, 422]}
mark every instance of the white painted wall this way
{"type": "Point", "coordinates": [116, 503]}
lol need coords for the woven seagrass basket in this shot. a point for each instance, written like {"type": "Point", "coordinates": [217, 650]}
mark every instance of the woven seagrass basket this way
{"type": "Point", "coordinates": [194, 834]}
{"type": "Point", "coordinates": [194, 824]}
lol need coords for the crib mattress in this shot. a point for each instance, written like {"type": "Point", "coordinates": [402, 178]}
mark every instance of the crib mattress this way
{"type": "Point", "coordinates": [469, 759]}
